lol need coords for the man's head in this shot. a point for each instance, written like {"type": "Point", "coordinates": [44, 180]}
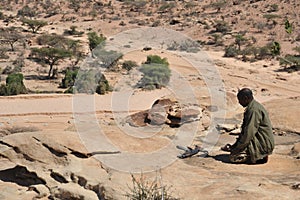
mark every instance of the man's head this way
{"type": "Point", "coordinates": [245, 96]}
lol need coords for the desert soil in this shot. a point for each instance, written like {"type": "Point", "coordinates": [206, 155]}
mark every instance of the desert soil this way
{"type": "Point", "coordinates": [43, 133]}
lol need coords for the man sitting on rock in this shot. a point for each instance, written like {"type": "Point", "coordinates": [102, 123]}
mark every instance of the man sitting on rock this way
{"type": "Point", "coordinates": [256, 140]}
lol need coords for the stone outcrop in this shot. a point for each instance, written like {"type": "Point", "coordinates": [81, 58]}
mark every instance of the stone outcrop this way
{"type": "Point", "coordinates": [295, 151]}
{"type": "Point", "coordinates": [166, 111]}
{"type": "Point", "coordinates": [45, 165]}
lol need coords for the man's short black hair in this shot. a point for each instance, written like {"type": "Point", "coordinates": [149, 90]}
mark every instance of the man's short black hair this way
{"type": "Point", "coordinates": [245, 92]}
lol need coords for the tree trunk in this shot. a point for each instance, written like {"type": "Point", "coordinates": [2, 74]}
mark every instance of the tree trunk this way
{"type": "Point", "coordinates": [50, 70]}
{"type": "Point", "coordinates": [12, 47]}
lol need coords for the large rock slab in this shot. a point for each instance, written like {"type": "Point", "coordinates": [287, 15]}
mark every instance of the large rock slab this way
{"type": "Point", "coordinates": [51, 164]}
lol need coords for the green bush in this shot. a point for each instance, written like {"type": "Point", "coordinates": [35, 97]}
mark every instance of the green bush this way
{"type": "Point", "coordinates": [231, 51]}
{"type": "Point", "coordinates": [156, 73]}
{"type": "Point", "coordinates": [290, 61]}
{"type": "Point", "coordinates": [1, 15]}
{"type": "Point", "coordinates": [95, 40]}
{"type": "Point", "coordinates": [90, 81]}
{"type": "Point", "coordinates": [222, 27]}
{"type": "Point", "coordinates": [69, 79]}
{"type": "Point", "coordinates": [271, 16]}
{"type": "Point", "coordinates": [156, 59]}
{"type": "Point", "coordinates": [128, 65]}
{"type": "Point", "coordinates": [14, 85]}
{"type": "Point", "coordinates": [273, 8]}
{"type": "Point", "coordinates": [107, 59]}
{"type": "Point", "coordinates": [103, 85]}
{"type": "Point", "coordinates": [73, 31]}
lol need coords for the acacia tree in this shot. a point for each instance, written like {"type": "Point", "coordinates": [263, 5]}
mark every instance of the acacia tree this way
{"type": "Point", "coordinates": [59, 41]}
{"type": "Point", "coordinates": [95, 40]}
{"type": "Point", "coordinates": [34, 25]}
{"type": "Point", "coordinates": [10, 36]}
{"type": "Point", "coordinates": [240, 40]}
{"type": "Point", "coordinates": [51, 56]}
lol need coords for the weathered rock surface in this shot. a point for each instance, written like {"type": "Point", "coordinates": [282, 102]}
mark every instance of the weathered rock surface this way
{"type": "Point", "coordinates": [166, 111]}
{"type": "Point", "coordinates": [72, 191]}
{"type": "Point", "coordinates": [48, 166]}
{"type": "Point", "coordinates": [295, 151]}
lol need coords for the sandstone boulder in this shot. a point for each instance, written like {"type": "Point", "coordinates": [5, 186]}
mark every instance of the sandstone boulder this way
{"type": "Point", "coordinates": [295, 151]}
{"type": "Point", "coordinates": [50, 165]}
{"type": "Point", "coordinates": [166, 111]}
{"type": "Point", "coordinates": [72, 191]}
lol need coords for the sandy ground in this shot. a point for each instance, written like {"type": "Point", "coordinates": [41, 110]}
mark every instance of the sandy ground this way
{"type": "Point", "coordinates": [197, 177]}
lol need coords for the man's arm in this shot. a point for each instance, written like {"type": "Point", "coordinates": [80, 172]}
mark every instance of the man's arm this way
{"type": "Point", "coordinates": [250, 128]}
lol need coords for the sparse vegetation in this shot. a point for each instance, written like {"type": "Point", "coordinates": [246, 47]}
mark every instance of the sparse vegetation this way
{"type": "Point", "coordinates": [51, 56]}
{"type": "Point", "coordinates": [95, 40]}
{"type": "Point", "coordinates": [231, 51]}
{"type": "Point", "coordinates": [90, 81]}
{"type": "Point", "coordinates": [10, 36]}
{"type": "Point", "coordinates": [222, 27]}
{"type": "Point", "coordinates": [156, 73]}
{"type": "Point", "coordinates": [146, 189]}
{"type": "Point", "coordinates": [107, 59]}
{"type": "Point", "coordinates": [186, 45]}
{"type": "Point", "coordinates": [69, 79]}
{"type": "Point", "coordinates": [240, 40]}
{"type": "Point", "coordinates": [14, 85]}
{"type": "Point", "coordinates": [291, 62]}
{"type": "Point", "coordinates": [27, 11]}
{"type": "Point", "coordinates": [129, 64]}
{"type": "Point", "coordinates": [73, 31]}
{"type": "Point", "coordinates": [288, 26]}
{"type": "Point", "coordinates": [34, 25]}
{"type": "Point", "coordinates": [218, 5]}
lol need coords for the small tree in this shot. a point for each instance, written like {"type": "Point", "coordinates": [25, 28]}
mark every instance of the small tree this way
{"type": "Point", "coordinates": [59, 41]}
{"type": "Point", "coordinates": [222, 27]}
{"type": "Point", "coordinates": [95, 40]}
{"type": "Point", "coordinates": [10, 36]}
{"type": "Point", "coordinates": [217, 40]}
{"type": "Point", "coordinates": [53, 40]}
{"type": "Point", "coordinates": [50, 56]}
{"type": "Point", "coordinates": [34, 25]}
{"type": "Point", "coordinates": [240, 40]}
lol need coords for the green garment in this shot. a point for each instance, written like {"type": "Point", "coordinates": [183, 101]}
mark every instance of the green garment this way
{"type": "Point", "coordinates": [256, 137]}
